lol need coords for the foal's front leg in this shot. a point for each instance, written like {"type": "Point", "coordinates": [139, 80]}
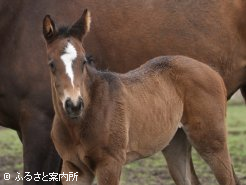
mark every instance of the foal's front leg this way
{"type": "Point", "coordinates": [108, 172]}
{"type": "Point", "coordinates": [85, 176]}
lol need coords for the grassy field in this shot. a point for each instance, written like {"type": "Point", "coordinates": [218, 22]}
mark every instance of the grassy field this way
{"type": "Point", "coordinates": [10, 156]}
{"type": "Point", "coordinates": [150, 171]}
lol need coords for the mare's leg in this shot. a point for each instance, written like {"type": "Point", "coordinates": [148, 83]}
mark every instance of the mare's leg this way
{"type": "Point", "coordinates": [108, 172]}
{"type": "Point", "coordinates": [243, 91]}
{"type": "Point", "coordinates": [39, 153]}
{"type": "Point", "coordinates": [178, 157]}
{"type": "Point", "coordinates": [84, 176]}
{"type": "Point", "coordinates": [204, 124]}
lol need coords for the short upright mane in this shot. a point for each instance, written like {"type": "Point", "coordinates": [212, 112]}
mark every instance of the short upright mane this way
{"type": "Point", "coordinates": [64, 31]}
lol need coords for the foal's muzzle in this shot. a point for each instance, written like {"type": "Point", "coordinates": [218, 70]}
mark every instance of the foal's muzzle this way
{"type": "Point", "coordinates": [74, 110]}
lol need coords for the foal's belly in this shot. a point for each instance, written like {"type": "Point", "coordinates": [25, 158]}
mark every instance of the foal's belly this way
{"type": "Point", "coordinates": [150, 138]}
{"type": "Point", "coordinates": [152, 125]}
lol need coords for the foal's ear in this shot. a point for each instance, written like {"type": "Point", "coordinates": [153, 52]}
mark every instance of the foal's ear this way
{"type": "Point", "coordinates": [49, 29]}
{"type": "Point", "coordinates": [89, 72]}
{"type": "Point", "coordinates": [82, 26]}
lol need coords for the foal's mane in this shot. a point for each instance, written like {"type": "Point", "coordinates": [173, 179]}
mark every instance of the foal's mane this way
{"type": "Point", "coordinates": [63, 31]}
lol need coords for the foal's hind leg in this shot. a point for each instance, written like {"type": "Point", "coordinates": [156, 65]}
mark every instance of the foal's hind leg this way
{"type": "Point", "coordinates": [211, 145]}
{"type": "Point", "coordinates": [205, 127]}
{"type": "Point", "coordinates": [178, 157]}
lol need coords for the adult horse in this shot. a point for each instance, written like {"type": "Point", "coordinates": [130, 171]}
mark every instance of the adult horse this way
{"type": "Point", "coordinates": [125, 33]}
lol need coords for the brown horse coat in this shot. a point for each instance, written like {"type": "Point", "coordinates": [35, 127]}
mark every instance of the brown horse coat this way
{"type": "Point", "coordinates": [126, 34]}
{"type": "Point", "coordinates": [104, 120]}
{"type": "Point", "coordinates": [134, 115]}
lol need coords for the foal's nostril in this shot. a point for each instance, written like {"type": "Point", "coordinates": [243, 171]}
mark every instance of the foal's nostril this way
{"type": "Point", "coordinates": [79, 105]}
{"type": "Point", "coordinates": [80, 102]}
{"type": "Point", "coordinates": [68, 104]}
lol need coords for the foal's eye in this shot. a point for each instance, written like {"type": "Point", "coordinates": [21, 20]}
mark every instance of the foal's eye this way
{"type": "Point", "coordinates": [52, 67]}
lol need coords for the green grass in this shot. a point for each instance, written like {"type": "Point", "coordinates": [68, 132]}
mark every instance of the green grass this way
{"type": "Point", "coordinates": [236, 120]}
{"type": "Point", "coordinates": [153, 170]}
{"type": "Point", "coordinates": [10, 145]}
{"type": "Point", "coordinates": [11, 151]}
{"type": "Point", "coordinates": [10, 156]}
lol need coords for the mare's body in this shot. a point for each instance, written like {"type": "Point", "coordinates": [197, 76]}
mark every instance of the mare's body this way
{"type": "Point", "coordinates": [211, 31]}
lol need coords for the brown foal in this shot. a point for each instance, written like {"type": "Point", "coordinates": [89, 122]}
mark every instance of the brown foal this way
{"type": "Point", "coordinates": [104, 120]}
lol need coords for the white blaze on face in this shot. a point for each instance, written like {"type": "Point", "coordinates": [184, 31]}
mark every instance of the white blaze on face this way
{"type": "Point", "coordinates": [68, 57]}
